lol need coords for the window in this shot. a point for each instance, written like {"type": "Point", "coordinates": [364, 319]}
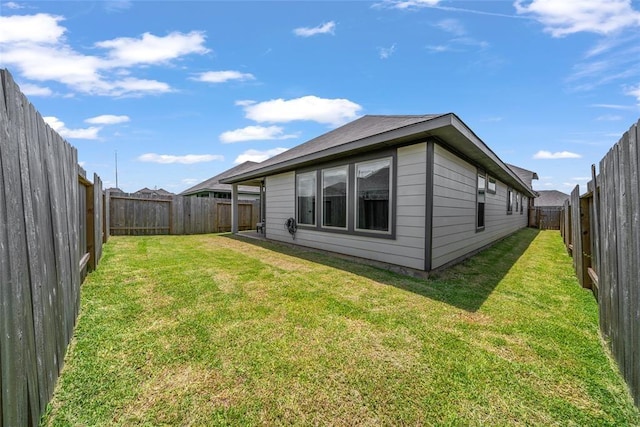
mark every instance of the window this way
{"type": "Point", "coordinates": [482, 183]}
{"type": "Point", "coordinates": [524, 200]}
{"type": "Point", "coordinates": [517, 202]}
{"type": "Point", "coordinates": [509, 201]}
{"type": "Point", "coordinates": [334, 197]}
{"type": "Point", "coordinates": [306, 198]}
{"type": "Point", "coordinates": [491, 185]}
{"type": "Point", "coordinates": [373, 195]}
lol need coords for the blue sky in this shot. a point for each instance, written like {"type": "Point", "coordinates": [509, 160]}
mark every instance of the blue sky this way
{"type": "Point", "coordinates": [185, 90]}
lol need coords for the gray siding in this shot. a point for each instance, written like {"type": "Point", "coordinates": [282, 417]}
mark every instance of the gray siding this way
{"type": "Point", "coordinates": [407, 249]}
{"type": "Point", "coordinates": [454, 210]}
{"type": "Point", "coordinates": [280, 204]}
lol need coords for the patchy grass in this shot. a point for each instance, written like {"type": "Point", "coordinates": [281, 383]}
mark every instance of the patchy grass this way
{"type": "Point", "coordinates": [215, 330]}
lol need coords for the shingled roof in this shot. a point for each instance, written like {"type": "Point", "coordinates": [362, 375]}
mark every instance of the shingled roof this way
{"type": "Point", "coordinates": [374, 132]}
{"type": "Point", "coordinates": [525, 175]}
{"type": "Point", "coordinates": [213, 183]}
{"type": "Point", "coordinates": [551, 198]}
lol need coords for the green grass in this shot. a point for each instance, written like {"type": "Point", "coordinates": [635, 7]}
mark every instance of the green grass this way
{"type": "Point", "coordinates": [215, 330]}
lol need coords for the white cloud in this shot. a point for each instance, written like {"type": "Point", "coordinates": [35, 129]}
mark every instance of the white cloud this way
{"type": "Point", "coordinates": [190, 181]}
{"type": "Point", "coordinates": [561, 18]}
{"type": "Point", "coordinates": [407, 4]}
{"type": "Point", "coordinates": [58, 125]}
{"type": "Point", "coordinates": [614, 106]}
{"type": "Point", "coordinates": [439, 48]}
{"type": "Point", "coordinates": [39, 28]}
{"type": "Point", "coordinates": [150, 49]}
{"type": "Point", "coordinates": [548, 155]}
{"type": "Point", "coordinates": [107, 119]}
{"type": "Point", "coordinates": [258, 156]}
{"type": "Point", "coordinates": [329, 111]}
{"type": "Point", "coordinates": [13, 5]}
{"type": "Point", "coordinates": [634, 91]}
{"type": "Point", "coordinates": [187, 159]}
{"type": "Point", "coordinates": [386, 52]}
{"type": "Point", "coordinates": [222, 76]}
{"type": "Point", "coordinates": [326, 28]}
{"type": "Point", "coordinates": [452, 26]}
{"type": "Point", "coordinates": [35, 90]}
{"type": "Point", "coordinates": [28, 41]}
{"type": "Point", "coordinates": [254, 133]}
{"type": "Point", "coordinates": [609, 118]}
{"type": "Point", "coordinates": [135, 87]}
{"type": "Point", "coordinates": [117, 5]}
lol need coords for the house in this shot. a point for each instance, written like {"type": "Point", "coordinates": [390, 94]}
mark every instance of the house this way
{"type": "Point", "coordinates": [213, 188]}
{"type": "Point", "coordinates": [525, 176]}
{"type": "Point", "coordinates": [421, 192]}
{"type": "Point", "coordinates": [160, 192]}
{"type": "Point", "coordinates": [551, 198]}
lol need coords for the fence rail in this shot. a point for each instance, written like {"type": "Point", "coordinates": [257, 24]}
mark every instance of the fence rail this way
{"type": "Point", "coordinates": [44, 235]}
{"type": "Point", "coordinates": [601, 230]}
{"type": "Point", "coordinates": [135, 215]}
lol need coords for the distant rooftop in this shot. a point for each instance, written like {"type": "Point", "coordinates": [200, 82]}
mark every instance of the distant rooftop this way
{"type": "Point", "coordinates": [550, 198]}
{"type": "Point", "coordinates": [213, 183]}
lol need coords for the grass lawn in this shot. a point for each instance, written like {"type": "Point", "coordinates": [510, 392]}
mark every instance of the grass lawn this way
{"type": "Point", "coordinates": [218, 330]}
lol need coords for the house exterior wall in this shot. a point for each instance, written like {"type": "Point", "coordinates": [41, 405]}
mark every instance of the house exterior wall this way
{"type": "Point", "coordinates": [454, 233]}
{"type": "Point", "coordinates": [406, 249]}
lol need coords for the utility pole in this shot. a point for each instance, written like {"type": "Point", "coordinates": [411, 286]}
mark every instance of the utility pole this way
{"type": "Point", "coordinates": [117, 169]}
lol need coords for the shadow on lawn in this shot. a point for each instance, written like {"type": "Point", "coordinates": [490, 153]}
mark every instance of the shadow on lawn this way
{"type": "Point", "coordinates": [466, 285]}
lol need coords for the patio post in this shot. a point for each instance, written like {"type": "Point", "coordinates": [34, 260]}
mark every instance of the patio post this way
{"type": "Point", "coordinates": [234, 208]}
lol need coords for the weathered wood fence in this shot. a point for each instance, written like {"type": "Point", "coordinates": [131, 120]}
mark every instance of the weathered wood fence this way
{"type": "Point", "coordinates": [545, 217]}
{"type": "Point", "coordinates": [131, 214]}
{"type": "Point", "coordinates": [50, 234]}
{"type": "Point", "coordinates": [601, 230]}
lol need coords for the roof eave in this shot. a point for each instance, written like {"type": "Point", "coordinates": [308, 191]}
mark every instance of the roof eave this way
{"type": "Point", "coordinates": [448, 128]}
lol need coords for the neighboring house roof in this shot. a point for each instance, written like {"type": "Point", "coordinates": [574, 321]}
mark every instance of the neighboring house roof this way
{"type": "Point", "coordinates": [376, 132]}
{"type": "Point", "coordinates": [213, 183]}
{"type": "Point", "coordinates": [114, 190]}
{"type": "Point", "coordinates": [158, 192]}
{"type": "Point", "coordinates": [550, 198]}
{"type": "Point", "coordinates": [525, 175]}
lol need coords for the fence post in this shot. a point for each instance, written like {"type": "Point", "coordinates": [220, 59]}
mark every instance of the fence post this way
{"type": "Point", "coordinates": [585, 237]}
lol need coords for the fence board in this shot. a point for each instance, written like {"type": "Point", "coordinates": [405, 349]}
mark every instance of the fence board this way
{"type": "Point", "coordinates": [634, 158]}
{"type": "Point", "coordinates": [105, 217]}
{"type": "Point", "coordinates": [97, 220]}
{"type": "Point", "coordinates": [624, 248]}
{"type": "Point", "coordinates": [31, 257]}
{"type": "Point", "coordinates": [576, 235]}
{"type": "Point", "coordinates": [38, 257]}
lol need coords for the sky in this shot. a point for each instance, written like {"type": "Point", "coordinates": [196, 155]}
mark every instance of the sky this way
{"type": "Point", "coordinates": [180, 91]}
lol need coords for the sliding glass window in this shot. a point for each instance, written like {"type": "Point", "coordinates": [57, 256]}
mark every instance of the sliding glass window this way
{"type": "Point", "coordinates": [373, 195]}
{"type": "Point", "coordinates": [334, 197]}
{"type": "Point", "coordinates": [306, 198]}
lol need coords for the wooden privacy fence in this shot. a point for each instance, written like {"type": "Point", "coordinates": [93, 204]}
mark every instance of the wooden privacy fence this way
{"type": "Point", "coordinates": [601, 230]}
{"type": "Point", "coordinates": [50, 233]}
{"type": "Point", "coordinates": [545, 217]}
{"type": "Point", "coordinates": [135, 215]}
